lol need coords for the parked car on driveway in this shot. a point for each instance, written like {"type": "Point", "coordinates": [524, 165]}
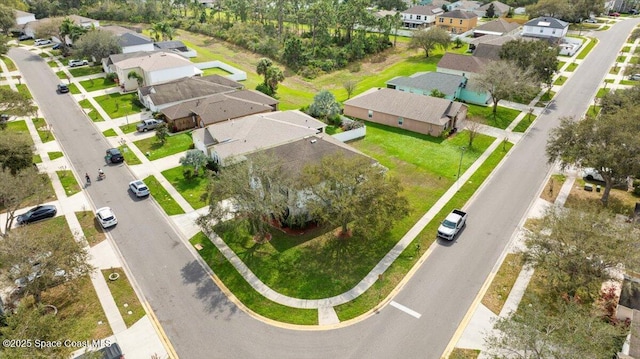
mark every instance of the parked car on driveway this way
{"type": "Point", "coordinates": [114, 156]}
{"type": "Point", "coordinates": [634, 77]}
{"type": "Point", "coordinates": [146, 125]}
{"type": "Point", "coordinates": [40, 42]}
{"type": "Point", "coordinates": [591, 174]}
{"type": "Point", "coordinates": [36, 214]}
{"type": "Point", "coordinates": [139, 188]}
{"type": "Point", "coordinates": [63, 88]}
{"type": "Point", "coordinates": [106, 217]}
{"type": "Point", "coordinates": [76, 63]}
{"type": "Point", "coordinates": [24, 37]}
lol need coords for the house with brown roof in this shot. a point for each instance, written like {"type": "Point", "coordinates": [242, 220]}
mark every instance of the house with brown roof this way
{"type": "Point", "coordinates": [160, 96]}
{"type": "Point", "coordinates": [226, 106]}
{"type": "Point", "coordinates": [463, 65]}
{"type": "Point", "coordinates": [423, 114]}
{"type": "Point", "coordinates": [499, 9]}
{"type": "Point", "coordinates": [30, 28]}
{"type": "Point", "coordinates": [457, 21]}
{"type": "Point", "coordinates": [420, 16]}
{"type": "Point", "coordinates": [489, 46]}
{"type": "Point", "coordinates": [497, 27]}
{"type": "Point", "coordinates": [232, 139]}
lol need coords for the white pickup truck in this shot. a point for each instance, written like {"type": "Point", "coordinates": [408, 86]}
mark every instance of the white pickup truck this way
{"type": "Point", "coordinates": [451, 225]}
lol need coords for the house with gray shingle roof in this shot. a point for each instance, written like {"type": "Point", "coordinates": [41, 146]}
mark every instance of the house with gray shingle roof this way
{"type": "Point", "coordinates": [132, 42]}
{"type": "Point", "coordinates": [453, 87]}
{"type": "Point", "coordinates": [418, 113]}
{"type": "Point", "coordinates": [463, 65]}
{"type": "Point", "coordinates": [499, 9]}
{"type": "Point", "coordinates": [23, 17]}
{"type": "Point", "coordinates": [420, 16]}
{"type": "Point", "coordinates": [545, 27]}
{"type": "Point", "coordinates": [497, 27]}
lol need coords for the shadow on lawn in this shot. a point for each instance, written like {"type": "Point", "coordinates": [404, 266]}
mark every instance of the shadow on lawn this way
{"type": "Point", "coordinates": [404, 132]}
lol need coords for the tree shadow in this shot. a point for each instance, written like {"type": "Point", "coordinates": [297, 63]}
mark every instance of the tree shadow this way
{"type": "Point", "coordinates": [207, 291]}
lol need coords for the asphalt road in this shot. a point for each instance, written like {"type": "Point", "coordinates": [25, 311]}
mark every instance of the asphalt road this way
{"type": "Point", "coordinates": [202, 323]}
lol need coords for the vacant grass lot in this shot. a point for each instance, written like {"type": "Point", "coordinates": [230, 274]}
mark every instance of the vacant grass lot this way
{"type": "Point", "coordinates": [502, 283]}
{"type": "Point", "coordinates": [191, 189]}
{"type": "Point", "coordinates": [117, 105]}
{"type": "Point", "coordinates": [124, 296]}
{"type": "Point", "coordinates": [43, 130]}
{"type": "Point", "coordinates": [85, 70]}
{"type": "Point", "coordinates": [175, 144]}
{"type": "Point", "coordinates": [92, 230]}
{"type": "Point", "coordinates": [168, 204]}
{"type": "Point", "coordinates": [503, 118]}
{"type": "Point", "coordinates": [91, 111]}
{"type": "Point", "coordinates": [97, 84]}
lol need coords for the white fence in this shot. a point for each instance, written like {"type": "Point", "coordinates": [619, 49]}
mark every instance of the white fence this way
{"type": "Point", "coordinates": [351, 135]}
{"type": "Point", "coordinates": [235, 74]}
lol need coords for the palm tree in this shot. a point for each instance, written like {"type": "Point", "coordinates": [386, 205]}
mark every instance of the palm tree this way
{"type": "Point", "coordinates": [162, 31]}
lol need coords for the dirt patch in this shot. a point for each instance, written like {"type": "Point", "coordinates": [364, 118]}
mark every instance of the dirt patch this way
{"type": "Point", "coordinates": [552, 188]}
{"type": "Point", "coordinates": [620, 201]}
{"type": "Point", "coordinates": [501, 285]}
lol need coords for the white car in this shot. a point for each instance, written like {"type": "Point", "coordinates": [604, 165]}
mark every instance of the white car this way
{"type": "Point", "coordinates": [75, 63]}
{"type": "Point", "coordinates": [40, 42]}
{"type": "Point", "coordinates": [591, 174]}
{"type": "Point", "coordinates": [139, 188]}
{"type": "Point", "coordinates": [634, 77]}
{"type": "Point", "coordinates": [106, 217]}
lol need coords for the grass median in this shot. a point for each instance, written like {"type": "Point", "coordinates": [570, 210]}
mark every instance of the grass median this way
{"type": "Point", "coordinates": [168, 204]}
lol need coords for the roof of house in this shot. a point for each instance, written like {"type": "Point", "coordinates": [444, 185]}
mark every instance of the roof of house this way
{"type": "Point", "coordinates": [497, 5]}
{"type": "Point", "coordinates": [188, 88]}
{"type": "Point", "coordinates": [424, 10]}
{"type": "Point", "coordinates": [465, 63]}
{"type": "Point", "coordinates": [216, 108]}
{"type": "Point", "coordinates": [133, 39]}
{"type": "Point", "coordinates": [257, 132]}
{"type": "Point", "coordinates": [116, 30]}
{"type": "Point", "coordinates": [407, 105]}
{"type": "Point", "coordinates": [429, 81]}
{"type": "Point", "coordinates": [459, 14]}
{"type": "Point", "coordinates": [170, 45]}
{"type": "Point", "coordinates": [467, 5]}
{"type": "Point", "coordinates": [20, 13]}
{"type": "Point", "coordinates": [547, 22]}
{"type": "Point", "coordinates": [153, 61]}
{"type": "Point", "coordinates": [499, 25]}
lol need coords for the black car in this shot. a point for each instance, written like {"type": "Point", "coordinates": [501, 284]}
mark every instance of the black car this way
{"type": "Point", "coordinates": [112, 351]}
{"type": "Point", "coordinates": [36, 214]}
{"type": "Point", "coordinates": [56, 46]}
{"type": "Point", "coordinates": [62, 88]}
{"type": "Point", "coordinates": [114, 155]}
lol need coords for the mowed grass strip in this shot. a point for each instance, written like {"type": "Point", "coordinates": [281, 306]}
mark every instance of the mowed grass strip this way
{"type": "Point", "coordinates": [68, 182]}
{"type": "Point", "coordinates": [129, 156]}
{"type": "Point", "coordinates": [91, 111]}
{"type": "Point", "coordinates": [92, 230]}
{"type": "Point", "coordinates": [54, 155]}
{"type": "Point", "coordinates": [498, 292]}
{"type": "Point", "coordinates": [585, 51]}
{"type": "Point", "coordinates": [124, 296]}
{"type": "Point", "coordinates": [44, 132]}
{"type": "Point", "coordinates": [168, 204]}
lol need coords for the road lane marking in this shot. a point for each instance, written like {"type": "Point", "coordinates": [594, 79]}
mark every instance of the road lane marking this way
{"type": "Point", "coordinates": [412, 313]}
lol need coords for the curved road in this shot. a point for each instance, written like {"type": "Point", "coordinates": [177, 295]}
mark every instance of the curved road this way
{"type": "Point", "coordinates": [202, 323]}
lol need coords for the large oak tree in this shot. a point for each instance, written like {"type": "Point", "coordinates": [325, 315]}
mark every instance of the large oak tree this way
{"type": "Point", "coordinates": [430, 39]}
{"type": "Point", "coordinates": [504, 80]}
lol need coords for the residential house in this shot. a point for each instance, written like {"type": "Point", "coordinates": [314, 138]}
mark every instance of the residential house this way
{"type": "Point", "coordinates": [496, 27]}
{"type": "Point", "coordinates": [499, 9]}
{"type": "Point", "coordinates": [545, 28]}
{"type": "Point", "coordinates": [457, 21]}
{"type": "Point", "coordinates": [464, 5]}
{"type": "Point", "coordinates": [413, 112]}
{"type": "Point", "coordinates": [160, 96]}
{"type": "Point", "coordinates": [420, 16]}
{"type": "Point", "coordinates": [249, 134]}
{"type": "Point", "coordinates": [453, 87]}
{"type": "Point", "coordinates": [438, 3]}
{"type": "Point", "coordinates": [215, 108]}
{"type": "Point", "coordinates": [463, 65]}
{"type": "Point", "coordinates": [23, 17]}
{"type": "Point", "coordinates": [30, 28]}
{"type": "Point", "coordinates": [175, 46]}
{"type": "Point", "coordinates": [208, 3]}
{"type": "Point", "coordinates": [489, 46]}
{"type": "Point", "coordinates": [130, 41]}
{"type": "Point", "coordinates": [151, 67]}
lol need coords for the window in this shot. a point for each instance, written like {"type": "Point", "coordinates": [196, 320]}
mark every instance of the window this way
{"type": "Point", "coordinates": [400, 121]}
{"type": "Point", "coordinates": [418, 17]}
{"type": "Point", "coordinates": [541, 31]}
{"type": "Point", "coordinates": [410, 17]}
{"type": "Point", "coordinates": [554, 31]}
{"type": "Point", "coordinates": [370, 113]}
{"type": "Point", "coordinates": [450, 21]}
{"type": "Point", "coordinates": [441, 20]}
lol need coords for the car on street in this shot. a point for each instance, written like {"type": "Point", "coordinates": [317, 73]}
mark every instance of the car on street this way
{"type": "Point", "coordinates": [139, 188]}
{"type": "Point", "coordinates": [36, 214]}
{"type": "Point", "coordinates": [40, 42]}
{"type": "Point", "coordinates": [63, 88]}
{"type": "Point", "coordinates": [634, 77]}
{"type": "Point", "coordinates": [614, 14]}
{"type": "Point", "coordinates": [25, 37]}
{"type": "Point", "coordinates": [106, 217]}
{"type": "Point", "coordinates": [114, 156]}
{"type": "Point", "coordinates": [76, 63]}
{"type": "Point", "coordinates": [146, 125]}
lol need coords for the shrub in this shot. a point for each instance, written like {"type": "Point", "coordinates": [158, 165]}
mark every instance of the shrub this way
{"type": "Point", "coordinates": [187, 173]}
{"type": "Point", "coordinates": [112, 76]}
{"type": "Point", "coordinates": [264, 89]}
{"type": "Point", "coordinates": [310, 72]}
{"type": "Point", "coordinates": [636, 187]}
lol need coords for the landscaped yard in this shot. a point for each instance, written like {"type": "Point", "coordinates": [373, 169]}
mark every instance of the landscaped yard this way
{"type": "Point", "coordinates": [168, 204]}
{"type": "Point", "coordinates": [85, 70]}
{"type": "Point", "coordinates": [97, 84]}
{"type": "Point", "coordinates": [175, 144]}
{"type": "Point", "coordinates": [503, 118]}
{"type": "Point", "coordinates": [124, 296]}
{"type": "Point", "coordinates": [117, 105]}
{"type": "Point", "coordinates": [68, 182]}
{"type": "Point", "coordinates": [191, 189]}
{"type": "Point", "coordinates": [92, 230]}
{"type": "Point", "coordinates": [91, 111]}
{"type": "Point", "coordinates": [43, 129]}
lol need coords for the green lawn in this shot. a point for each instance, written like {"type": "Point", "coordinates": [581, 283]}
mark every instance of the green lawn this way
{"type": "Point", "coordinates": [634, 60]}
{"type": "Point", "coordinates": [97, 84]}
{"type": "Point", "coordinates": [560, 64]}
{"type": "Point", "coordinates": [18, 126]}
{"type": "Point", "coordinates": [129, 156]}
{"type": "Point", "coordinates": [215, 71]}
{"type": "Point", "coordinates": [626, 49]}
{"type": "Point", "coordinates": [572, 67]}
{"type": "Point", "coordinates": [128, 128]}
{"type": "Point", "coordinates": [628, 82]}
{"type": "Point", "coordinates": [614, 70]}
{"type": "Point", "coordinates": [602, 91]}
{"type": "Point", "coordinates": [61, 75]}
{"type": "Point", "coordinates": [585, 51]}
{"type": "Point", "coordinates": [609, 81]}
{"type": "Point", "coordinates": [168, 204]}
{"type": "Point", "coordinates": [604, 28]}
{"type": "Point", "coordinates": [621, 59]}
{"type": "Point", "coordinates": [191, 189]}
{"type": "Point", "coordinates": [37, 159]}
{"type": "Point", "coordinates": [52, 64]}
{"type": "Point", "coordinates": [560, 80]}
{"type": "Point", "coordinates": [93, 114]}
{"type": "Point", "coordinates": [117, 105]}
{"type": "Point", "coordinates": [24, 90]}
{"type": "Point", "coordinates": [503, 118]}
{"type": "Point", "coordinates": [109, 133]}
{"type": "Point", "coordinates": [175, 144]}
{"type": "Point", "coordinates": [526, 121]}
{"type": "Point", "coordinates": [92, 230]}
{"type": "Point", "coordinates": [85, 70]}
{"type": "Point", "coordinates": [124, 296]}
{"type": "Point", "coordinates": [10, 65]}
{"type": "Point", "coordinates": [43, 129]}
{"type": "Point", "coordinates": [68, 182]}
{"type": "Point", "coordinates": [54, 155]}
{"type": "Point", "coordinates": [74, 89]}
